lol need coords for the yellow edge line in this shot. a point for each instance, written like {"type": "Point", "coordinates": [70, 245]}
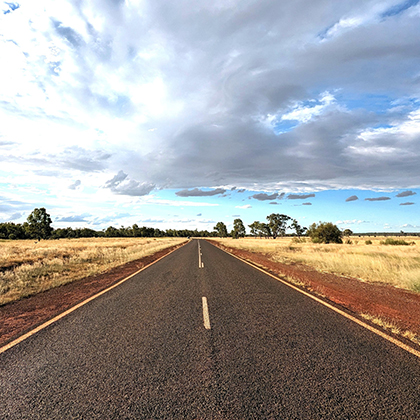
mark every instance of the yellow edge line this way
{"type": "Point", "coordinates": [73, 308]}
{"type": "Point", "coordinates": [339, 311]}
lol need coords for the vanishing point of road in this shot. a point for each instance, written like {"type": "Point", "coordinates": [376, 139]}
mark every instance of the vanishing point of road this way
{"type": "Point", "coordinates": [202, 335]}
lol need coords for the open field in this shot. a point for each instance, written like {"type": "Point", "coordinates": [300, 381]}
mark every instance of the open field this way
{"type": "Point", "coordinates": [27, 268]}
{"type": "Point", "coordinates": [377, 263]}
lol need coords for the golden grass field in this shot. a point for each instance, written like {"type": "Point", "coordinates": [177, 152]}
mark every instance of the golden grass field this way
{"type": "Point", "coordinates": [27, 268]}
{"type": "Point", "coordinates": [397, 265]}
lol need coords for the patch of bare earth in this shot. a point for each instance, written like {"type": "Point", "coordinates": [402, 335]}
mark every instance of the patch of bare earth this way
{"type": "Point", "coordinates": [25, 314]}
{"type": "Point", "coordinates": [389, 305]}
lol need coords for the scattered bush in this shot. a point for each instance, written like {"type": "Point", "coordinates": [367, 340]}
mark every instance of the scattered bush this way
{"type": "Point", "coordinates": [325, 233]}
{"type": "Point", "coordinates": [392, 241]}
{"type": "Point", "coordinates": [368, 242]}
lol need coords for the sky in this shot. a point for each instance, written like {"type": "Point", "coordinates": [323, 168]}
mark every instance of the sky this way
{"type": "Point", "coordinates": [183, 114]}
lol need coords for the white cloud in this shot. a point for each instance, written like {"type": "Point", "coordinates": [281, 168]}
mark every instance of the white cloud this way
{"type": "Point", "coordinates": [246, 206]}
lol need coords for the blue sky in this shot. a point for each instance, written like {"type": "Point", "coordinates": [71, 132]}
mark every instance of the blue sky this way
{"type": "Point", "coordinates": [183, 114]}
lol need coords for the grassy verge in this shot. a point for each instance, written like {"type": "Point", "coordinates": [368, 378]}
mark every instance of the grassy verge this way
{"type": "Point", "coordinates": [374, 262]}
{"type": "Point", "coordinates": [27, 268]}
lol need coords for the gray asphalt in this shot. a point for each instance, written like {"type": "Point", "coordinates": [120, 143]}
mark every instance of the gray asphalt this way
{"type": "Point", "coordinates": [141, 352]}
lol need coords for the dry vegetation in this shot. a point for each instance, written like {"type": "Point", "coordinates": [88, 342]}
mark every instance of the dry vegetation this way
{"type": "Point", "coordinates": [27, 267]}
{"type": "Point", "coordinates": [392, 264]}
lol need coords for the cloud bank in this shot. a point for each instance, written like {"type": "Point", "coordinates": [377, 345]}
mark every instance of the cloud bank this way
{"type": "Point", "coordinates": [190, 95]}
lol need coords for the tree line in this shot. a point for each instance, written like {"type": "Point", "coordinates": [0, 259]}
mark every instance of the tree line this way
{"type": "Point", "coordinates": [278, 224]}
{"type": "Point", "coordinates": [38, 226]}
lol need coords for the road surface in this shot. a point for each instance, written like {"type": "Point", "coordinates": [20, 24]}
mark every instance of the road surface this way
{"type": "Point", "coordinates": [202, 335]}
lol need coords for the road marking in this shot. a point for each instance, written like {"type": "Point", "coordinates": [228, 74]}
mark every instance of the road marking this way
{"type": "Point", "coordinates": [63, 314]}
{"type": "Point", "coordinates": [339, 311]}
{"type": "Point", "coordinates": [206, 314]}
{"type": "Point", "coordinates": [200, 263]}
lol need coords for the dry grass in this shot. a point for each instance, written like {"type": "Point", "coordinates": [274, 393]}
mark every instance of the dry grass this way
{"type": "Point", "coordinates": [391, 264]}
{"type": "Point", "coordinates": [27, 268]}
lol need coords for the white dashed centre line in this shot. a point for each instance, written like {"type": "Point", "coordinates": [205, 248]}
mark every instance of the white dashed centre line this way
{"type": "Point", "coordinates": [200, 263]}
{"type": "Point", "coordinates": [206, 314]}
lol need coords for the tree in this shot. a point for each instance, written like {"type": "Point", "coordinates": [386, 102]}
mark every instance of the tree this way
{"type": "Point", "coordinates": [278, 224]}
{"type": "Point", "coordinates": [265, 230]}
{"type": "Point", "coordinates": [238, 229]}
{"type": "Point", "coordinates": [298, 228]}
{"type": "Point", "coordinates": [112, 232]}
{"type": "Point", "coordinates": [255, 228]}
{"type": "Point", "coordinates": [325, 233]}
{"type": "Point", "coordinates": [221, 230]}
{"type": "Point", "coordinates": [347, 232]}
{"type": "Point", "coordinates": [39, 224]}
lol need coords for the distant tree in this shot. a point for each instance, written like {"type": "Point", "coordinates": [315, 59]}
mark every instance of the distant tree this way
{"type": "Point", "coordinates": [238, 230]}
{"type": "Point", "coordinates": [39, 224]}
{"type": "Point", "coordinates": [325, 233]}
{"type": "Point", "coordinates": [255, 228]}
{"type": "Point", "coordinates": [347, 232]}
{"type": "Point", "coordinates": [10, 230]}
{"type": "Point", "coordinates": [221, 230]}
{"type": "Point", "coordinates": [265, 230]}
{"type": "Point", "coordinates": [278, 224]}
{"type": "Point", "coordinates": [158, 233]}
{"type": "Point", "coordinates": [64, 233]}
{"type": "Point", "coordinates": [112, 232]}
{"type": "Point", "coordinates": [298, 228]}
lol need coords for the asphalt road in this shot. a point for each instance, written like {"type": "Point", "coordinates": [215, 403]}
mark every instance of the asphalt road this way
{"type": "Point", "coordinates": [143, 351]}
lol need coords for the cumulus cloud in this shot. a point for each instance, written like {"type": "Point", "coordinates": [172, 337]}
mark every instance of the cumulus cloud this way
{"type": "Point", "coordinates": [299, 196]}
{"type": "Point", "coordinates": [200, 193]}
{"type": "Point", "coordinates": [123, 185]}
{"type": "Point", "coordinates": [405, 194]}
{"type": "Point", "coordinates": [352, 198]}
{"type": "Point", "coordinates": [378, 199]}
{"type": "Point", "coordinates": [264, 196]}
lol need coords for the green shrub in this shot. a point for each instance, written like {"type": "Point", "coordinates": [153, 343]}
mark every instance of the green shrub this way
{"type": "Point", "coordinates": [368, 242]}
{"type": "Point", "coordinates": [392, 241]}
{"type": "Point", "coordinates": [325, 233]}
